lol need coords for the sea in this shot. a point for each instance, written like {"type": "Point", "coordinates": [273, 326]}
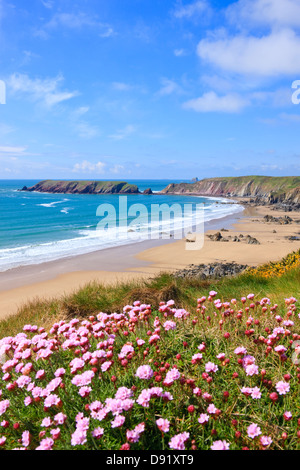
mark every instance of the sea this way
{"type": "Point", "coordinates": [39, 227]}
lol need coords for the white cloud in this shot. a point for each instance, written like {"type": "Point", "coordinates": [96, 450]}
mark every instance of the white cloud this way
{"type": "Point", "coordinates": [211, 102]}
{"type": "Point", "coordinates": [86, 130]}
{"type": "Point", "coordinates": [192, 9]}
{"type": "Point", "coordinates": [88, 167]}
{"type": "Point", "coordinates": [47, 4]}
{"type": "Point", "coordinates": [117, 169]}
{"type": "Point", "coordinates": [5, 129]}
{"type": "Point", "coordinates": [169, 87]}
{"type": "Point", "coordinates": [276, 54]}
{"type": "Point", "coordinates": [272, 13]}
{"type": "Point", "coordinates": [123, 133]}
{"type": "Point", "coordinates": [75, 21]}
{"type": "Point", "coordinates": [83, 128]}
{"type": "Point", "coordinates": [46, 90]}
{"type": "Point", "coordinates": [179, 52]}
{"type": "Point", "coordinates": [120, 86]}
{"type": "Point", "coordinates": [12, 150]}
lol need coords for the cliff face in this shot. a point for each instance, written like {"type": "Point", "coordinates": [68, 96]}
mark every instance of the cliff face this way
{"type": "Point", "coordinates": [269, 189]}
{"type": "Point", "coordinates": [84, 187]}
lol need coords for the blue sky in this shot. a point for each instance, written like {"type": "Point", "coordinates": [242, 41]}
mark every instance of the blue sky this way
{"type": "Point", "coordinates": [166, 89]}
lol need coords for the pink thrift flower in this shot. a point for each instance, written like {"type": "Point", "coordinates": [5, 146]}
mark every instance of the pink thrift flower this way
{"type": "Point", "coordinates": [246, 390]}
{"type": "Point", "coordinates": [46, 444]}
{"type": "Point", "coordinates": [123, 393]}
{"type": "Point", "coordinates": [40, 374]}
{"type": "Point", "coordinates": [118, 421]}
{"type": "Point", "coordinates": [172, 375]}
{"type": "Point", "coordinates": [46, 423]}
{"type": "Point", "coordinates": [135, 434]}
{"type": "Point", "coordinates": [221, 356]}
{"type": "Point", "coordinates": [163, 424]}
{"type": "Point", "coordinates": [287, 415]}
{"type": "Point", "coordinates": [25, 439]}
{"type": "Point", "coordinates": [60, 372]}
{"type": "Point", "coordinates": [252, 369]}
{"type": "Point", "coordinates": [265, 441]}
{"type": "Point", "coordinates": [240, 351]}
{"type": "Point", "coordinates": [178, 442]}
{"type": "Point", "coordinates": [255, 393]}
{"type": "Point", "coordinates": [253, 430]}
{"type": "Point", "coordinates": [84, 391]}
{"type": "Point", "coordinates": [211, 367]}
{"type": "Point", "coordinates": [280, 349]}
{"type": "Point", "coordinates": [196, 358]}
{"type": "Point", "coordinates": [97, 433]}
{"type": "Point", "coordinates": [4, 405]}
{"type": "Point", "coordinates": [55, 433]}
{"type": "Point", "coordinates": [106, 366]}
{"type": "Point", "coordinates": [203, 418]}
{"type": "Point", "coordinates": [282, 387]}
{"type": "Point", "coordinates": [169, 325]}
{"type": "Point", "coordinates": [144, 372]}
{"type": "Point", "coordinates": [51, 400]}
{"type": "Point", "coordinates": [220, 445]}
{"type": "Point", "coordinates": [144, 398]}
{"type": "Point", "coordinates": [211, 409]}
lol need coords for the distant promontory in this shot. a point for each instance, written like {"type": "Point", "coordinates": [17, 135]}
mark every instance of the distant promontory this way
{"type": "Point", "coordinates": [264, 189]}
{"type": "Point", "coordinates": [83, 187]}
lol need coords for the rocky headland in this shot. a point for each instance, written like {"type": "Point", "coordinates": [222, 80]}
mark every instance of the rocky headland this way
{"type": "Point", "coordinates": [283, 193]}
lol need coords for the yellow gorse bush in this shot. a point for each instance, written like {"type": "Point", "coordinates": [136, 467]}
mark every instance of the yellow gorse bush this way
{"type": "Point", "coordinates": [291, 261]}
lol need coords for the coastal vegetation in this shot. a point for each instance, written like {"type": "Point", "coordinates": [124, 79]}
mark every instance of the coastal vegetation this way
{"type": "Point", "coordinates": [167, 363]}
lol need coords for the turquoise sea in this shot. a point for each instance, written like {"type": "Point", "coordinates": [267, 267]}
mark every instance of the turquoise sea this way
{"type": "Point", "coordinates": [38, 227]}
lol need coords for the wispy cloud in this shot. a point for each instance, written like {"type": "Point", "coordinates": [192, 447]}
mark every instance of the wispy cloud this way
{"type": "Point", "coordinates": [169, 87]}
{"type": "Point", "coordinates": [192, 10]}
{"type": "Point", "coordinates": [12, 150]}
{"type": "Point", "coordinates": [123, 133]}
{"type": "Point", "coordinates": [89, 167]}
{"type": "Point", "coordinates": [46, 91]}
{"type": "Point", "coordinates": [180, 52]}
{"type": "Point", "coordinates": [75, 22]}
{"type": "Point", "coordinates": [116, 169]}
{"type": "Point", "coordinates": [211, 102]}
{"type": "Point", "coordinates": [120, 86]}
{"type": "Point", "coordinates": [48, 3]}
{"type": "Point", "coordinates": [81, 126]}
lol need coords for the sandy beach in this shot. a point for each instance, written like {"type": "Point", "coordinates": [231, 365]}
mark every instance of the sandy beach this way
{"type": "Point", "coordinates": [146, 259]}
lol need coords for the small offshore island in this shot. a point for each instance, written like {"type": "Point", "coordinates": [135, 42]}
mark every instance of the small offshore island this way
{"type": "Point", "coordinates": [85, 187]}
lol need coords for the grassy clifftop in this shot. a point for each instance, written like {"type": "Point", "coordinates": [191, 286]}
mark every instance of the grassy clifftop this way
{"type": "Point", "coordinates": [273, 189]}
{"type": "Point", "coordinates": [83, 187]}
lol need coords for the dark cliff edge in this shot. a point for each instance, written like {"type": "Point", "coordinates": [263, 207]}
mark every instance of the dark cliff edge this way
{"type": "Point", "coordinates": [279, 191]}
{"type": "Point", "coordinates": [83, 187]}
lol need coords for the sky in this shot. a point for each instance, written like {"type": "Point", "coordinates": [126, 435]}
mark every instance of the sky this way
{"type": "Point", "coordinates": [149, 89]}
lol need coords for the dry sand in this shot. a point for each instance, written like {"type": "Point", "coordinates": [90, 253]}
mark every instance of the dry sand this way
{"type": "Point", "coordinates": [146, 259]}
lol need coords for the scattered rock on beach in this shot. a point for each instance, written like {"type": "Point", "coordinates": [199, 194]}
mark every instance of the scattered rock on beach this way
{"type": "Point", "coordinates": [278, 220]}
{"type": "Point", "coordinates": [213, 270]}
{"type": "Point", "coordinates": [251, 240]}
{"type": "Point", "coordinates": [247, 239]}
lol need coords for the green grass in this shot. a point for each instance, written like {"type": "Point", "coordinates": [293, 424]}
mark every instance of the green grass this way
{"type": "Point", "coordinates": [95, 297]}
